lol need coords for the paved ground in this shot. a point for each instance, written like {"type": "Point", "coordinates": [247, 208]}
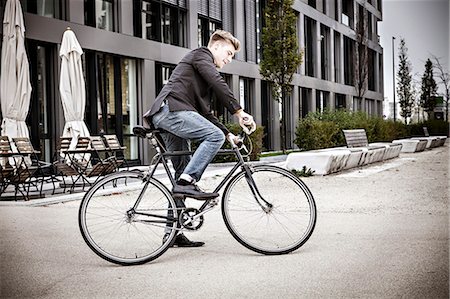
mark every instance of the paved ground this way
{"type": "Point", "coordinates": [382, 232]}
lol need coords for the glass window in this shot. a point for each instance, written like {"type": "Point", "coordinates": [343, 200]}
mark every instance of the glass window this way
{"type": "Point", "coordinates": [206, 27]}
{"type": "Point", "coordinates": [310, 32]}
{"type": "Point", "coordinates": [45, 8]}
{"type": "Point", "coordinates": [336, 10]}
{"type": "Point", "coordinates": [324, 51]}
{"type": "Point", "coordinates": [347, 13]}
{"type": "Point", "coordinates": [322, 98]}
{"type": "Point", "coordinates": [339, 101]}
{"type": "Point", "coordinates": [163, 22]}
{"type": "Point", "coordinates": [111, 103]}
{"type": "Point", "coordinates": [370, 107]}
{"type": "Point", "coordinates": [163, 72]}
{"type": "Point", "coordinates": [41, 118]}
{"type": "Point", "coordinates": [104, 15]}
{"type": "Point", "coordinates": [129, 106]}
{"type": "Point", "coordinates": [150, 20]}
{"type": "Point", "coordinates": [106, 118]}
{"type": "Point", "coordinates": [246, 94]}
{"type": "Point", "coordinates": [371, 69]}
{"type": "Point", "coordinates": [306, 95]}
{"type": "Point", "coordinates": [349, 51]}
{"type": "Point", "coordinates": [210, 18]}
{"type": "Point", "coordinates": [337, 57]}
{"type": "Point", "coordinates": [267, 114]}
{"type": "Point", "coordinates": [99, 14]}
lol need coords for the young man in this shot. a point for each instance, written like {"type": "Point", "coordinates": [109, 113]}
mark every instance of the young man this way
{"type": "Point", "coordinates": [182, 109]}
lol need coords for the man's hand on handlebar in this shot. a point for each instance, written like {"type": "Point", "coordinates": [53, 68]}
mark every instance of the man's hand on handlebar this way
{"type": "Point", "coordinates": [237, 141]}
{"type": "Point", "coordinates": [246, 122]}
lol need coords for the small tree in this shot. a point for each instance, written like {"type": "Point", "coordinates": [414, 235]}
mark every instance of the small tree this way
{"type": "Point", "coordinates": [428, 89]}
{"type": "Point", "coordinates": [444, 78]}
{"type": "Point", "coordinates": [281, 56]}
{"type": "Point", "coordinates": [404, 87]}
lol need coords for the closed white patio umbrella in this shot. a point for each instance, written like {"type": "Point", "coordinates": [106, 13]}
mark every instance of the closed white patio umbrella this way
{"type": "Point", "coordinates": [72, 88]}
{"type": "Point", "coordinates": [15, 87]}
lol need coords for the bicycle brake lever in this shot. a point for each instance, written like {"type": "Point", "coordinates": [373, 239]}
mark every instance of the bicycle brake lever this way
{"type": "Point", "coordinates": [241, 145]}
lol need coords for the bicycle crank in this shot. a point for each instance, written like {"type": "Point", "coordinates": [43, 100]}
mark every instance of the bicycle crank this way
{"type": "Point", "coordinates": [190, 219]}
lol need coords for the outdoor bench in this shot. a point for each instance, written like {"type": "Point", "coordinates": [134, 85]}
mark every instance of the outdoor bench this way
{"type": "Point", "coordinates": [322, 162]}
{"type": "Point", "coordinates": [441, 138]}
{"type": "Point", "coordinates": [379, 151]}
{"type": "Point", "coordinates": [432, 141]}
{"type": "Point", "coordinates": [411, 145]}
{"type": "Point", "coordinates": [357, 153]}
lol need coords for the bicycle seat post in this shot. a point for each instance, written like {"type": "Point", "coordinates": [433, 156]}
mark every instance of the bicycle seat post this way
{"type": "Point", "coordinates": [154, 142]}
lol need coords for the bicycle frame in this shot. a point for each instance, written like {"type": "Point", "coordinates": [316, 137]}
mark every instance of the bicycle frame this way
{"type": "Point", "coordinates": [280, 227]}
{"type": "Point", "coordinates": [161, 157]}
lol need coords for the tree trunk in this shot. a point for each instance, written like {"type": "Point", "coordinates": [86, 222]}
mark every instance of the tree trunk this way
{"type": "Point", "coordinates": [446, 106]}
{"type": "Point", "coordinates": [283, 121]}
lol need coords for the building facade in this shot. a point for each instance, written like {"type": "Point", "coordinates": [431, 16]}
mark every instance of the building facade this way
{"type": "Point", "coordinates": [131, 47]}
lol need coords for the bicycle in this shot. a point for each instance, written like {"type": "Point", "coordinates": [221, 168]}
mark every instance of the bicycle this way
{"type": "Point", "coordinates": [126, 216]}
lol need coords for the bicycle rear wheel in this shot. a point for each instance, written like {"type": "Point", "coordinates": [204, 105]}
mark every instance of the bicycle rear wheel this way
{"type": "Point", "coordinates": [276, 216]}
{"type": "Point", "coordinates": [121, 230]}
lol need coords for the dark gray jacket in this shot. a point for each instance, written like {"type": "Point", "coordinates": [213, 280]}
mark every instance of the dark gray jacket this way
{"type": "Point", "coordinates": [190, 87]}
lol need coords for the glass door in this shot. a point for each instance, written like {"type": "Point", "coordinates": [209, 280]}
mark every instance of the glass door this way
{"type": "Point", "coordinates": [112, 99]}
{"type": "Point", "coordinates": [43, 99]}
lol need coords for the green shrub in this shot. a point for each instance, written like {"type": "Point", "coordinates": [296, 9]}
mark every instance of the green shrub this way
{"type": "Point", "coordinates": [314, 134]}
{"type": "Point", "coordinates": [322, 130]}
{"type": "Point", "coordinates": [435, 127]}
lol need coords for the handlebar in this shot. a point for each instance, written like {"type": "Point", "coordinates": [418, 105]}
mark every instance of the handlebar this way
{"type": "Point", "coordinates": [241, 136]}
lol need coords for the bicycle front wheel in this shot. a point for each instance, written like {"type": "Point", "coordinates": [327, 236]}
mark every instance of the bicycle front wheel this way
{"type": "Point", "coordinates": [271, 212]}
{"type": "Point", "coordinates": [124, 218]}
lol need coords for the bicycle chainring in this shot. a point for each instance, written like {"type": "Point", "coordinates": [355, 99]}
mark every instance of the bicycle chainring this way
{"type": "Point", "coordinates": [188, 219]}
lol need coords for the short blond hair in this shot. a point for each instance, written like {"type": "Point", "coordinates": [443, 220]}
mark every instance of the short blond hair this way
{"type": "Point", "coordinates": [220, 35]}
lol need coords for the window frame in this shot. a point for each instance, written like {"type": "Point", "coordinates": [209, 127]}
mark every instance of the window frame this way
{"type": "Point", "coordinates": [90, 17]}
{"type": "Point", "coordinates": [177, 22]}
{"type": "Point", "coordinates": [204, 24]}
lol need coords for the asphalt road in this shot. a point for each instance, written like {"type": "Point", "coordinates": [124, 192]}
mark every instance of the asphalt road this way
{"type": "Point", "coordinates": [382, 232]}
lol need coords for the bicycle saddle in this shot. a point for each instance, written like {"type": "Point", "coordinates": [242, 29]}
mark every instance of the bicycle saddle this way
{"type": "Point", "coordinates": [142, 131]}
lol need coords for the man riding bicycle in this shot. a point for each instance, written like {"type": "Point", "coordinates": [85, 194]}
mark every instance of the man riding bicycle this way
{"type": "Point", "coordinates": [182, 110]}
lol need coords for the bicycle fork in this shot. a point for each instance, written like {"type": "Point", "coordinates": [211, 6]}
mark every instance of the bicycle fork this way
{"type": "Point", "coordinates": [264, 204]}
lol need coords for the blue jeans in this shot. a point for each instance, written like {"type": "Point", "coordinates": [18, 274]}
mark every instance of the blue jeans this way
{"type": "Point", "coordinates": [184, 126]}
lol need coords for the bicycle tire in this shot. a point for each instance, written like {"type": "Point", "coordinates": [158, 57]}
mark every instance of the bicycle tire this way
{"type": "Point", "coordinates": [121, 235]}
{"type": "Point", "coordinates": [279, 230]}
